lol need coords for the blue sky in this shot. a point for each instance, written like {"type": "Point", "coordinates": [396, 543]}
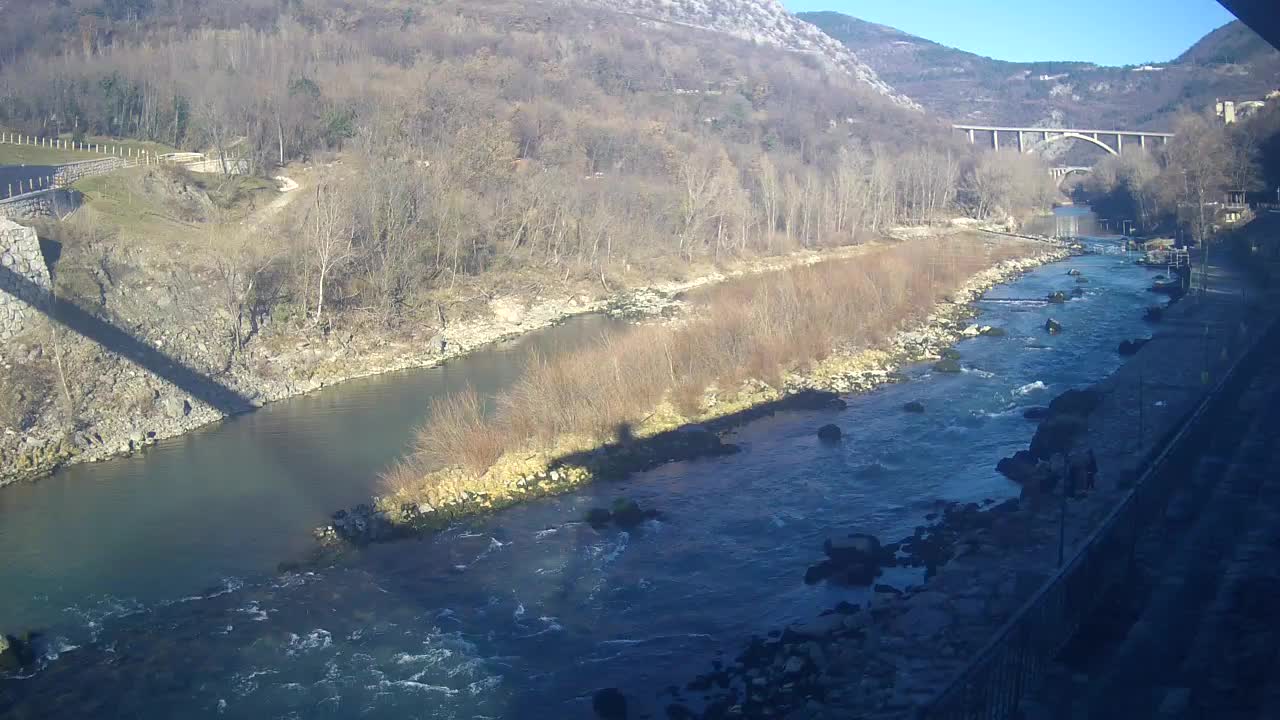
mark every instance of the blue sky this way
{"type": "Point", "coordinates": [1108, 32]}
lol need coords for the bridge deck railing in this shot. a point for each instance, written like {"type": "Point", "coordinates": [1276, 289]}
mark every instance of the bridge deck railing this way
{"type": "Point", "coordinates": [1014, 661]}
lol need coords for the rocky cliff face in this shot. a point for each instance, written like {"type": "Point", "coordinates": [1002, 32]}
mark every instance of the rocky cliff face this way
{"type": "Point", "coordinates": [763, 21]}
{"type": "Point", "coordinates": [24, 278]}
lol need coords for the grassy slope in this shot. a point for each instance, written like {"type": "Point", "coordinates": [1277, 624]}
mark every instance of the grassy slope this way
{"type": "Point", "coordinates": [35, 155]}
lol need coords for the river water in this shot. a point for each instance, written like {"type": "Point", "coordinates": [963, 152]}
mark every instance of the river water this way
{"type": "Point", "coordinates": [521, 614]}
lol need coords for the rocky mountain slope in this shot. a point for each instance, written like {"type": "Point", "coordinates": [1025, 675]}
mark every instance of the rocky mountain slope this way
{"type": "Point", "coordinates": [762, 21]}
{"type": "Point", "coordinates": [1232, 63]}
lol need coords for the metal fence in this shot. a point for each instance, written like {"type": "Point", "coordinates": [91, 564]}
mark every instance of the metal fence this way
{"type": "Point", "coordinates": [1016, 658]}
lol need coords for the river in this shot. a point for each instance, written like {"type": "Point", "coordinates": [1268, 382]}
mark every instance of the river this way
{"type": "Point", "coordinates": [152, 574]}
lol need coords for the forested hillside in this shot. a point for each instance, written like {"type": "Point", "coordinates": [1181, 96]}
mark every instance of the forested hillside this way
{"type": "Point", "coordinates": [1230, 63]}
{"type": "Point", "coordinates": [460, 161]}
{"type": "Point", "coordinates": [494, 134]}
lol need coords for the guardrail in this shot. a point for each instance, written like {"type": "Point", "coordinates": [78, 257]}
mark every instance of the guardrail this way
{"type": "Point", "coordinates": [1015, 659]}
{"type": "Point", "coordinates": [117, 157]}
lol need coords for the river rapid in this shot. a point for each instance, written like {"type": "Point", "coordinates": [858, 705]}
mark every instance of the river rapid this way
{"type": "Point", "coordinates": [152, 576]}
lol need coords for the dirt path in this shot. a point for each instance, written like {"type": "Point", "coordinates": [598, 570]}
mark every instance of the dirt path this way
{"type": "Point", "coordinates": [288, 193]}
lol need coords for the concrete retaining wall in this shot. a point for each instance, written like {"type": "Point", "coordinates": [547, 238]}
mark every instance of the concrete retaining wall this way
{"type": "Point", "coordinates": [25, 285]}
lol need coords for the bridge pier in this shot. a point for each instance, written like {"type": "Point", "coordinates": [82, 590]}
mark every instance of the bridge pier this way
{"type": "Point", "coordinates": [1020, 143]}
{"type": "Point", "coordinates": [995, 140]}
{"type": "Point", "coordinates": [971, 136]}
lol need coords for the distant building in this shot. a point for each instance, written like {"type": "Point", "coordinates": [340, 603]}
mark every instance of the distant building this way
{"type": "Point", "coordinates": [1226, 111]}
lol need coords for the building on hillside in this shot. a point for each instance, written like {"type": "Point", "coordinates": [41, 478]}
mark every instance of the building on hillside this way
{"type": "Point", "coordinates": [1225, 110]}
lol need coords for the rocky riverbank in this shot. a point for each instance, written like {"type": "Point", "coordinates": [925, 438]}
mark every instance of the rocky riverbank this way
{"type": "Point", "coordinates": [126, 408]}
{"type": "Point", "coordinates": [667, 435]}
{"type": "Point", "coordinates": [887, 658]}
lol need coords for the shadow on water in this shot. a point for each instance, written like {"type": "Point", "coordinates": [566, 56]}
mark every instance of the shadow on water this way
{"type": "Point", "coordinates": [73, 317]}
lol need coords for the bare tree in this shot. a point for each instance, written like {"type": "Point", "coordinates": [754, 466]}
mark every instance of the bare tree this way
{"type": "Point", "coordinates": [329, 233]}
{"type": "Point", "coordinates": [239, 261]}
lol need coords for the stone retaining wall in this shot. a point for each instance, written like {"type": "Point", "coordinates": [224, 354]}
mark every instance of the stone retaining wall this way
{"type": "Point", "coordinates": [20, 296]}
{"type": "Point", "coordinates": [67, 174]}
{"type": "Point", "coordinates": [56, 203]}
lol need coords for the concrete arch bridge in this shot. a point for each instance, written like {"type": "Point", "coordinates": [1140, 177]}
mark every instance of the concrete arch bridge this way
{"type": "Point", "coordinates": [1023, 138]}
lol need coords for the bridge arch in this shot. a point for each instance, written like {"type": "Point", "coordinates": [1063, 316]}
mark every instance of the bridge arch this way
{"type": "Point", "coordinates": [1060, 174]}
{"type": "Point", "coordinates": [1077, 136]}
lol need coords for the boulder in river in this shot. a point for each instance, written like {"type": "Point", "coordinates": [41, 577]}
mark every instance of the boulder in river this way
{"type": "Point", "coordinates": [1077, 292]}
{"type": "Point", "coordinates": [1057, 297]}
{"type": "Point", "coordinates": [1153, 314]}
{"type": "Point", "coordinates": [1073, 271]}
{"type": "Point", "coordinates": [994, 332]}
{"type": "Point", "coordinates": [853, 548]}
{"type": "Point", "coordinates": [947, 365]}
{"type": "Point", "coordinates": [1053, 327]}
{"type": "Point", "coordinates": [15, 653]}
{"type": "Point", "coordinates": [1021, 468]}
{"type": "Point", "coordinates": [1056, 435]}
{"type": "Point", "coordinates": [915, 406]}
{"type": "Point", "coordinates": [627, 513]}
{"type": "Point", "coordinates": [609, 704]}
{"type": "Point", "coordinates": [1082, 280]}
{"type": "Point", "coordinates": [1076, 402]}
{"type": "Point", "coordinates": [829, 434]}
{"type": "Point", "coordinates": [851, 560]}
{"type": "Point", "coordinates": [951, 354]}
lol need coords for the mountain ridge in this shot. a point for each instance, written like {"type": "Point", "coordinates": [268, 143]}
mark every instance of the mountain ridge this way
{"type": "Point", "coordinates": [761, 21]}
{"type": "Point", "coordinates": [1231, 62]}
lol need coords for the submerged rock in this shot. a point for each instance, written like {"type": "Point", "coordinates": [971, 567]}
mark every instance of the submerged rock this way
{"type": "Point", "coordinates": [915, 406]}
{"type": "Point", "coordinates": [609, 704]}
{"type": "Point", "coordinates": [952, 353]}
{"type": "Point", "coordinates": [1057, 297]}
{"type": "Point", "coordinates": [1131, 347]}
{"type": "Point", "coordinates": [994, 332]}
{"type": "Point", "coordinates": [1073, 271]}
{"type": "Point", "coordinates": [1053, 327]}
{"type": "Point", "coordinates": [1153, 314]}
{"type": "Point", "coordinates": [829, 434]}
{"type": "Point", "coordinates": [947, 366]}
{"type": "Point", "coordinates": [598, 517]}
{"type": "Point", "coordinates": [1037, 412]}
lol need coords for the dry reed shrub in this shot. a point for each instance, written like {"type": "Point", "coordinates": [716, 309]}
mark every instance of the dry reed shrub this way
{"type": "Point", "coordinates": [754, 328]}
